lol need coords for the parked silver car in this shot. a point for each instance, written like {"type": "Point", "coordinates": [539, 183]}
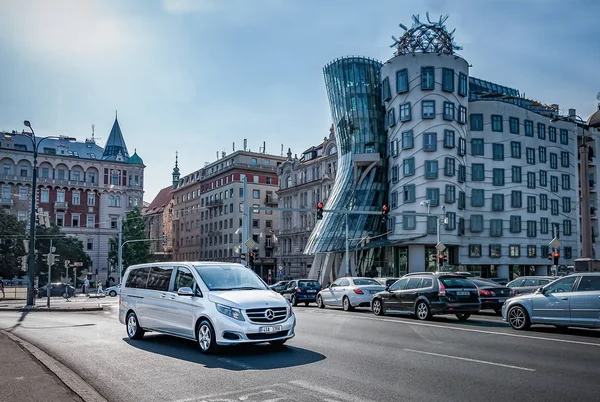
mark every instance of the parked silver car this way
{"type": "Point", "coordinates": [349, 292]}
{"type": "Point", "coordinates": [571, 301]}
{"type": "Point", "coordinates": [213, 303]}
{"type": "Point", "coordinates": [529, 284]}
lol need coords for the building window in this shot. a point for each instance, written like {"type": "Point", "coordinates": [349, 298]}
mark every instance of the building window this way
{"type": "Point", "coordinates": [462, 115]}
{"type": "Point", "coordinates": [496, 123]}
{"type": "Point", "coordinates": [428, 109]}
{"type": "Point", "coordinates": [44, 195]}
{"type": "Point", "coordinates": [409, 166]}
{"type": "Point", "coordinates": [402, 81]}
{"type": "Point", "coordinates": [541, 131]}
{"type": "Point", "coordinates": [405, 114]}
{"type": "Point", "coordinates": [91, 199]}
{"type": "Point", "coordinates": [90, 221]}
{"type": "Point", "coordinates": [515, 149]}
{"type": "Point", "coordinates": [495, 250]}
{"type": "Point", "coordinates": [566, 205]}
{"type": "Point", "coordinates": [564, 136]}
{"type": "Point", "coordinates": [530, 152]}
{"type": "Point", "coordinates": [477, 172]}
{"type": "Point", "coordinates": [554, 184]}
{"type": "Point", "coordinates": [75, 197]}
{"type": "Point", "coordinates": [497, 202]}
{"type": "Point", "coordinates": [451, 223]}
{"type": "Point", "coordinates": [75, 220]}
{"type": "Point", "coordinates": [462, 173]}
{"type": "Point", "coordinates": [498, 177]}
{"type": "Point", "coordinates": [409, 193]}
{"type": "Point", "coordinates": [391, 117]}
{"type": "Point", "coordinates": [531, 251]}
{"type": "Point", "coordinates": [60, 196]}
{"type": "Point", "coordinates": [394, 147]}
{"type": "Point", "coordinates": [462, 200]}
{"type": "Point", "coordinates": [407, 140]}
{"type": "Point", "coordinates": [543, 202]}
{"type": "Point", "coordinates": [567, 227]}
{"type": "Point", "coordinates": [427, 78]}
{"type": "Point", "coordinates": [476, 223]}
{"type": "Point", "coordinates": [409, 222]}
{"type": "Point", "coordinates": [256, 194]}
{"type": "Point", "coordinates": [564, 159]}
{"type": "Point", "coordinates": [394, 200]}
{"type": "Point", "coordinates": [543, 178]}
{"type": "Point", "coordinates": [513, 123]}
{"type": "Point", "coordinates": [431, 169]}
{"type": "Point", "coordinates": [433, 195]}
{"type": "Point", "coordinates": [462, 146]}
{"type": "Point", "coordinates": [516, 199]}
{"type": "Point", "coordinates": [514, 250]}
{"type": "Point", "coordinates": [531, 228]}
{"type": "Point", "coordinates": [554, 207]}
{"type": "Point", "coordinates": [90, 244]}
{"type": "Point", "coordinates": [477, 147]}
{"type": "Point", "coordinates": [449, 111]}
{"type": "Point", "coordinates": [566, 182]}
{"type": "Point", "coordinates": [60, 219]}
{"type": "Point", "coordinates": [474, 250]}
{"type": "Point", "coordinates": [449, 169]}
{"type": "Point", "coordinates": [430, 142]}
{"type": "Point", "coordinates": [449, 139]}
{"type": "Point", "coordinates": [568, 253]}
{"type": "Point", "coordinates": [477, 197]}
{"type": "Point", "coordinates": [531, 204]}
{"type": "Point", "coordinates": [432, 225]}
{"type": "Point", "coordinates": [76, 175]}
{"type": "Point", "coordinates": [542, 152]}
{"type": "Point", "coordinates": [45, 173]}
{"type": "Point", "coordinates": [495, 227]}
{"type": "Point", "coordinates": [385, 89]}
{"type": "Point", "coordinates": [556, 230]}
{"type": "Point", "coordinates": [462, 84]}
{"type": "Point", "coordinates": [544, 226]}
{"type": "Point", "coordinates": [447, 80]}
{"type": "Point", "coordinates": [498, 152]}
{"type": "Point", "coordinates": [394, 174]}
{"type": "Point", "coordinates": [552, 133]}
{"type": "Point", "coordinates": [515, 224]}
{"type": "Point", "coordinates": [528, 128]}
{"type": "Point", "coordinates": [476, 122]}
{"type": "Point", "coordinates": [22, 193]}
{"type": "Point", "coordinates": [530, 180]}
{"type": "Point", "coordinates": [450, 196]}
{"type": "Point", "coordinates": [517, 176]}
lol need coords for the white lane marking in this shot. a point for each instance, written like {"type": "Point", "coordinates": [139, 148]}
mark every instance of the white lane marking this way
{"type": "Point", "coordinates": [470, 360]}
{"type": "Point", "coordinates": [481, 331]}
{"type": "Point", "coordinates": [327, 391]}
{"type": "Point", "coordinates": [223, 394]}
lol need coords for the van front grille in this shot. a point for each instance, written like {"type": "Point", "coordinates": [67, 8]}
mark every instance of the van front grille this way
{"type": "Point", "coordinates": [267, 315]}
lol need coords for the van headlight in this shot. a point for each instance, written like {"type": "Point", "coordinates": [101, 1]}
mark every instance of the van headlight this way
{"type": "Point", "coordinates": [232, 312]}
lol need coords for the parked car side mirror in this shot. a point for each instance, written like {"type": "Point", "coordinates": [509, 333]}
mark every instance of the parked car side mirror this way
{"type": "Point", "coordinates": [541, 290]}
{"type": "Point", "coordinates": [185, 291]}
{"type": "Point", "coordinates": [387, 288]}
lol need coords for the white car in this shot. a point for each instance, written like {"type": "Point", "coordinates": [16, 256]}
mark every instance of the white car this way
{"type": "Point", "coordinates": [213, 303]}
{"type": "Point", "coordinates": [113, 291]}
{"type": "Point", "coordinates": [349, 292]}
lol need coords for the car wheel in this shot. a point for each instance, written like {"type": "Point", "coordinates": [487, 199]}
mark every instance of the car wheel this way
{"type": "Point", "coordinates": [320, 303]}
{"type": "Point", "coordinates": [378, 307]}
{"type": "Point", "coordinates": [346, 304]}
{"type": "Point", "coordinates": [293, 301]}
{"type": "Point", "coordinates": [518, 318]}
{"type": "Point", "coordinates": [463, 316]}
{"type": "Point", "coordinates": [206, 337]}
{"type": "Point", "coordinates": [134, 331]}
{"type": "Point", "coordinates": [278, 343]}
{"type": "Point", "coordinates": [498, 311]}
{"type": "Point", "coordinates": [112, 293]}
{"type": "Point", "coordinates": [422, 311]}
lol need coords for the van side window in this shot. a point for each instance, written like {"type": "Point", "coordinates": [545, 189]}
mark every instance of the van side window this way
{"type": "Point", "coordinates": [137, 278]}
{"type": "Point", "coordinates": [183, 279]}
{"type": "Point", "coordinates": [160, 278]}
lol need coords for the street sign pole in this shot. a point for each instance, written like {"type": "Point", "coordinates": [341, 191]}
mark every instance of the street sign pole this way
{"type": "Point", "coordinates": [49, 280]}
{"type": "Point", "coordinates": [245, 219]}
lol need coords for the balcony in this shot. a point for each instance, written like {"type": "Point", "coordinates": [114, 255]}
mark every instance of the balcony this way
{"type": "Point", "coordinates": [271, 201]}
{"type": "Point", "coordinates": [61, 205]}
{"type": "Point", "coordinates": [214, 203]}
{"type": "Point", "coordinates": [269, 246]}
{"type": "Point", "coordinates": [6, 202]}
{"type": "Point", "coordinates": [15, 177]}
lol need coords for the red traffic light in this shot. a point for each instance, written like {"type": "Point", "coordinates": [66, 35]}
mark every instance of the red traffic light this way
{"type": "Point", "coordinates": [320, 205]}
{"type": "Point", "coordinates": [251, 254]}
{"type": "Point", "coordinates": [385, 208]}
{"type": "Point", "coordinates": [555, 254]}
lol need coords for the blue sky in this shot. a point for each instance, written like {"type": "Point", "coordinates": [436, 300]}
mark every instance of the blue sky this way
{"type": "Point", "coordinates": [194, 76]}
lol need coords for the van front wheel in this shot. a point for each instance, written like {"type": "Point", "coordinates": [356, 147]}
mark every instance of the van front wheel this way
{"type": "Point", "coordinates": [206, 337]}
{"type": "Point", "coordinates": [134, 331]}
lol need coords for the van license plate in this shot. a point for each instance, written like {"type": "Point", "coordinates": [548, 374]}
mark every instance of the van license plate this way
{"type": "Point", "coordinates": [268, 330]}
{"type": "Point", "coordinates": [463, 293]}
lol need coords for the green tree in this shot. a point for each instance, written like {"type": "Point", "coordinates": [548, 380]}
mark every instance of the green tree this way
{"type": "Point", "coordinates": [12, 234]}
{"type": "Point", "coordinates": [133, 253]}
{"type": "Point", "coordinates": [67, 248]}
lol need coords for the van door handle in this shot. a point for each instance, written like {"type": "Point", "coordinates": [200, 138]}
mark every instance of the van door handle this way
{"type": "Point", "coordinates": [163, 295]}
{"type": "Point", "coordinates": [172, 297]}
{"type": "Point", "coordinates": [564, 298]}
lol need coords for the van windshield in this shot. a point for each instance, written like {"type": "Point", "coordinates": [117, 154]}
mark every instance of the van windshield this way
{"type": "Point", "coordinates": [229, 277]}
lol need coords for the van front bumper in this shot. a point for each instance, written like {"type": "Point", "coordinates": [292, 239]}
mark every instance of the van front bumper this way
{"type": "Point", "coordinates": [232, 332]}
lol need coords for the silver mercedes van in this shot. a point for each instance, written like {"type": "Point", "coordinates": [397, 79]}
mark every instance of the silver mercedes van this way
{"type": "Point", "coordinates": [213, 303]}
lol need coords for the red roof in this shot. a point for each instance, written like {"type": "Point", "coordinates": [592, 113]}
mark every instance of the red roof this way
{"type": "Point", "coordinates": [158, 204]}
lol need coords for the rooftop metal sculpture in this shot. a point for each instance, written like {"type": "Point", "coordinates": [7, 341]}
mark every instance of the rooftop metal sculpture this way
{"type": "Point", "coordinates": [426, 37]}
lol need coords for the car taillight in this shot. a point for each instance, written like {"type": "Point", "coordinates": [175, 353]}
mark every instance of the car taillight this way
{"type": "Point", "coordinates": [298, 290]}
{"type": "Point", "coordinates": [442, 291]}
{"type": "Point", "coordinates": [358, 292]}
{"type": "Point", "coordinates": [484, 292]}
{"type": "Point", "coordinates": [512, 292]}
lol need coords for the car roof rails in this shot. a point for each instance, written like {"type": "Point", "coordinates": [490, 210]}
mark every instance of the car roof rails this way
{"type": "Point", "coordinates": [420, 273]}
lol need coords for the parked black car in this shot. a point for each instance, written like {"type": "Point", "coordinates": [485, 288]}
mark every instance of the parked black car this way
{"type": "Point", "coordinates": [529, 284]}
{"type": "Point", "coordinates": [425, 294]}
{"type": "Point", "coordinates": [491, 294]}
{"type": "Point", "coordinates": [279, 286]}
{"type": "Point", "coordinates": [302, 290]}
{"type": "Point", "coordinates": [57, 289]}
{"type": "Point", "coordinates": [387, 282]}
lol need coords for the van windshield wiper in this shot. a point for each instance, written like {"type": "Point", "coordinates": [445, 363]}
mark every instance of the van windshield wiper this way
{"type": "Point", "coordinates": [248, 288]}
{"type": "Point", "coordinates": [221, 289]}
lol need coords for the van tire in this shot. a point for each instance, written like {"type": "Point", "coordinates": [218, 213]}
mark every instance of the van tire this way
{"type": "Point", "coordinates": [205, 335]}
{"type": "Point", "coordinates": [134, 331]}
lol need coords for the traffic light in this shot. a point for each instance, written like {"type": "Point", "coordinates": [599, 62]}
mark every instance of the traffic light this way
{"type": "Point", "coordinates": [441, 259]}
{"type": "Point", "coordinates": [555, 256]}
{"type": "Point", "coordinates": [251, 259]}
{"type": "Point", "coordinates": [385, 210]}
{"type": "Point", "coordinates": [320, 211]}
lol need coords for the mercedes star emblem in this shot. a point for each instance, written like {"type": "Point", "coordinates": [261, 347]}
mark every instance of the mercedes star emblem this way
{"type": "Point", "coordinates": [269, 314]}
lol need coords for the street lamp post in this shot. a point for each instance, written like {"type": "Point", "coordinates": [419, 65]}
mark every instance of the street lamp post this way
{"type": "Point", "coordinates": [31, 265]}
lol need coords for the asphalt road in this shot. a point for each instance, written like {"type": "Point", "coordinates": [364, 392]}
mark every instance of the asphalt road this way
{"type": "Point", "coordinates": [335, 356]}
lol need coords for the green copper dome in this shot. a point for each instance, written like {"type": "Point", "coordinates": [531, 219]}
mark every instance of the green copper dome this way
{"type": "Point", "coordinates": [135, 159]}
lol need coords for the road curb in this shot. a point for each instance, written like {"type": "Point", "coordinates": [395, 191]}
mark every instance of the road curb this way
{"type": "Point", "coordinates": [59, 310]}
{"type": "Point", "coordinates": [73, 381]}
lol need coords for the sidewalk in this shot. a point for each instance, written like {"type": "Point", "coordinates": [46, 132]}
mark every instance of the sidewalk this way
{"type": "Point", "coordinates": [77, 303]}
{"type": "Point", "coordinates": [25, 379]}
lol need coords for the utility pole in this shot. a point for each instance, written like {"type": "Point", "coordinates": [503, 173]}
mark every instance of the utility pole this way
{"type": "Point", "coordinates": [50, 262]}
{"type": "Point", "coordinates": [120, 249]}
{"type": "Point", "coordinates": [347, 248]}
{"type": "Point", "coordinates": [245, 225]}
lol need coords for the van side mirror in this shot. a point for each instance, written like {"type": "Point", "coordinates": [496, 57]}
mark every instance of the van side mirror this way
{"type": "Point", "coordinates": [185, 291]}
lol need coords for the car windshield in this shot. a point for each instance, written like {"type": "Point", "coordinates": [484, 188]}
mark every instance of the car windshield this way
{"type": "Point", "coordinates": [308, 284]}
{"type": "Point", "coordinates": [456, 282]}
{"type": "Point", "coordinates": [229, 277]}
{"type": "Point", "coordinates": [365, 281]}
